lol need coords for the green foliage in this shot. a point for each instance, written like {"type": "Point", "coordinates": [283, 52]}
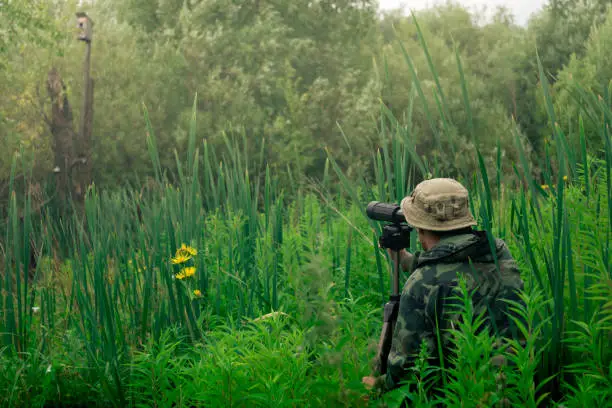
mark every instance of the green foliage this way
{"type": "Point", "coordinates": [482, 371]}
{"type": "Point", "coordinates": [22, 22]}
{"type": "Point", "coordinates": [439, 122]}
{"type": "Point", "coordinates": [288, 274]}
{"type": "Point", "coordinates": [282, 281]}
{"type": "Point", "coordinates": [293, 79]}
{"type": "Point", "coordinates": [545, 233]}
{"type": "Point", "coordinates": [26, 29]}
{"type": "Point", "coordinates": [590, 72]}
{"type": "Point", "coordinates": [563, 27]}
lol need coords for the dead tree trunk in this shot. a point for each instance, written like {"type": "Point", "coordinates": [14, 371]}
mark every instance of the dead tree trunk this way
{"type": "Point", "coordinates": [63, 133]}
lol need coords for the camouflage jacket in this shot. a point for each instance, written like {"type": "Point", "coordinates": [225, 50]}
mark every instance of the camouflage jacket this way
{"type": "Point", "coordinates": [424, 298]}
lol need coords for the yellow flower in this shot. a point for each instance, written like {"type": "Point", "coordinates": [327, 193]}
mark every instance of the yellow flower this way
{"type": "Point", "coordinates": [197, 292]}
{"type": "Point", "coordinates": [184, 254]}
{"type": "Point", "coordinates": [564, 178]}
{"type": "Point", "coordinates": [545, 186]}
{"type": "Point", "coordinates": [181, 258]}
{"type": "Point", "coordinates": [180, 275]}
{"type": "Point", "coordinates": [184, 249]}
{"type": "Point", "coordinates": [189, 271]}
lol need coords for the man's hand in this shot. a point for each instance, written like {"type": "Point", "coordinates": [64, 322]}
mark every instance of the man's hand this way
{"type": "Point", "coordinates": [369, 382]}
{"type": "Point", "coordinates": [405, 258]}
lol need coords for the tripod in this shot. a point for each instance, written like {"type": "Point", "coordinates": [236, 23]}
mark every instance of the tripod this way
{"type": "Point", "coordinates": [395, 237]}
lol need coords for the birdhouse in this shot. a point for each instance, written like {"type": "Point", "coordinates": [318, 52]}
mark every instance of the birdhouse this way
{"type": "Point", "coordinates": [85, 26]}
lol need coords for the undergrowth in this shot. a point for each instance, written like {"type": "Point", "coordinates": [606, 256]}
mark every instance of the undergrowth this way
{"type": "Point", "coordinates": [222, 289]}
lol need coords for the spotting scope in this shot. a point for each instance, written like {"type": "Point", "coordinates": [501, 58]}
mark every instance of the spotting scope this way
{"type": "Point", "coordinates": [396, 235]}
{"type": "Point", "coordinates": [385, 212]}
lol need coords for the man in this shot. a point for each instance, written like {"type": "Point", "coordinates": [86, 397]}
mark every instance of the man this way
{"type": "Point", "coordinates": [439, 210]}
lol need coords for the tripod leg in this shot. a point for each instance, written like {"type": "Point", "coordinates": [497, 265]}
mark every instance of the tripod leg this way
{"type": "Point", "coordinates": [389, 319]}
{"type": "Point", "coordinates": [386, 336]}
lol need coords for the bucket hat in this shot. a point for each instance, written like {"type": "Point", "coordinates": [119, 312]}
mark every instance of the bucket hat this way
{"type": "Point", "coordinates": [440, 204]}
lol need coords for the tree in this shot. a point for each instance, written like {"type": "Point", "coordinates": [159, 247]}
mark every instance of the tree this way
{"type": "Point", "coordinates": [287, 72]}
{"type": "Point", "coordinates": [25, 30]}
{"type": "Point", "coordinates": [491, 57]}
{"type": "Point", "coordinates": [24, 21]}
{"type": "Point", "coordinates": [592, 71]}
{"type": "Point", "coordinates": [562, 30]}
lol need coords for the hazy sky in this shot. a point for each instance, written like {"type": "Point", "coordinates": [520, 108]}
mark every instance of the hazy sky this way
{"type": "Point", "coordinates": [521, 8]}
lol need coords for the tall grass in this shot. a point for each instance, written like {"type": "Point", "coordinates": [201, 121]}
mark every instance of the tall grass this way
{"type": "Point", "coordinates": [551, 227]}
{"type": "Point", "coordinates": [105, 282]}
{"type": "Point", "coordinates": [290, 282]}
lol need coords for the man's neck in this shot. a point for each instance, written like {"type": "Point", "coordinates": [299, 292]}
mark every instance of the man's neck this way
{"type": "Point", "coordinates": [430, 242]}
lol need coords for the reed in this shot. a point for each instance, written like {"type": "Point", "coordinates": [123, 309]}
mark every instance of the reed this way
{"type": "Point", "coordinates": [289, 279]}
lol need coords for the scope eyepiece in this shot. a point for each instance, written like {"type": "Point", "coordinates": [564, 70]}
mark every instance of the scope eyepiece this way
{"type": "Point", "coordinates": [385, 212]}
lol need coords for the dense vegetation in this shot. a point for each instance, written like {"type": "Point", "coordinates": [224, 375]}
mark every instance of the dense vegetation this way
{"type": "Point", "coordinates": [223, 257]}
{"type": "Point", "coordinates": [293, 78]}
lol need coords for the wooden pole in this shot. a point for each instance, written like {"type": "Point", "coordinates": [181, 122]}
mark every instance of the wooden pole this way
{"type": "Point", "coordinates": [85, 127]}
{"type": "Point", "coordinates": [84, 106]}
{"type": "Point", "coordinates": [87, 166]}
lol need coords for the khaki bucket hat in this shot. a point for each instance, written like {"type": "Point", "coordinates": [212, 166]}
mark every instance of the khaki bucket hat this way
{"type": "Point", "coordinates": [440, 204]}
